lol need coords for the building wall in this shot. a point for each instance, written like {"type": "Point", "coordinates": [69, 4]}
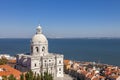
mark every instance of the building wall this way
{"type": "Point", "coordinates": [59, 66]}
{"type": "Point", "coordinates": [35, 65]}
{"type": "Point", "coordinates": [48, 65]}
{"type": "Point", "coordinates": [41, 64]}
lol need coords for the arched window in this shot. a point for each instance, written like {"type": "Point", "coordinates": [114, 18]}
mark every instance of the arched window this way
{"type": "Point", "coordinates": [37, 49]}
{"type": "Point", "coordinates": [43, 49]}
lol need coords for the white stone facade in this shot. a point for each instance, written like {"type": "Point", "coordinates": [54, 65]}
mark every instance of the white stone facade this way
{"type": "Point", "coordinates": [40, 60]}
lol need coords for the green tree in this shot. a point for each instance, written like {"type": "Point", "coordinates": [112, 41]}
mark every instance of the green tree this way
{"type": "Point", "coordinates": [11, 77]}
{"type": "Point", "coordinates": [3, 60]}
{"type": "Point", "coordinates": [4, 77]}
{"type": "Point", "coordinates": [27, 76]}
{"type": "Point", "coordinates": [22, 76]}
{"type": "Point", "coordinates": [47, 76]}
{"type": "Point", "coordinates": [38, 77]}
{"type": "Point", "coordinates": [34, 78]}
{"type": "Point", "coordinates": [31, 75]}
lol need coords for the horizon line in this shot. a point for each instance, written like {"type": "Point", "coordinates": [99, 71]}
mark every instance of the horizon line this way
{"type": "Point", "coordinates": [65, 38]}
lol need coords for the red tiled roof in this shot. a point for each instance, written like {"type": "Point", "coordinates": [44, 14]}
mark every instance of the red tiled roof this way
{"type": "Point", "coordinates": [7, 70]}
{"type": "Point", "coordinates": [66, 62]}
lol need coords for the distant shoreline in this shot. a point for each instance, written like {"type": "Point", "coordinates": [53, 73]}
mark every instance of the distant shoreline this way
{"type": "Point", "coordinates": [70, 38]}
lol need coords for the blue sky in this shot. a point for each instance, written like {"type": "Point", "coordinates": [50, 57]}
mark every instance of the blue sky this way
{"type": "Point", "coordinates": [60, 18]}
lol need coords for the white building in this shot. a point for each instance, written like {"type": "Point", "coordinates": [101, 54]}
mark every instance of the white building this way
{"type": "Point", "coordinates": [7, 56]}
{"type": "Point", "coordinates": [40, 60]}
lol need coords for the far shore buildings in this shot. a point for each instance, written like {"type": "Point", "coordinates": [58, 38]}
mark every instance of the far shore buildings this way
{"type": "Point", "coordinates": [91, 70]}
{"type": "Point", "coordinates": [40, 60]}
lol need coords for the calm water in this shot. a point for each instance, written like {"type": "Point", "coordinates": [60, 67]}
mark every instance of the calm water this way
{"type": "Point", "coordinates": [102, 50]}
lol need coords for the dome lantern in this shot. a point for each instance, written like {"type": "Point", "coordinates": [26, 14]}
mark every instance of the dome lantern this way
{"type": "Point", "coordinates": [39, 37]}
{"type": "Point", "coordinates": [39, 43]}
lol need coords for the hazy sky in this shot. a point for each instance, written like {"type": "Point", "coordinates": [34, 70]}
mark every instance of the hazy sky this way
{"type": "Point", "coordinates": [60, 18]}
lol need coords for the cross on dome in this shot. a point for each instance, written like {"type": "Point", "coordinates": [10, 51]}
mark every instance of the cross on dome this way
{"type": "Point", "coordinates": [39, 29]}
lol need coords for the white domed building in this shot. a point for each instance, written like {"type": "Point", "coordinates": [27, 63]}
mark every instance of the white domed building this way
{"type": "Point", "coordinates": [40, 60]}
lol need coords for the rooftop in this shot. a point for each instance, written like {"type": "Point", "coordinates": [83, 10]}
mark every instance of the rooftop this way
{"type": "Point", "coordinates": [6, 70]}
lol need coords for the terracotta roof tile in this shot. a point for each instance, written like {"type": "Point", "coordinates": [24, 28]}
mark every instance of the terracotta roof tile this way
{"type": "Point", "coordinates": [66, 62]}
{"type": "Point", "coordinates": [7, 70]}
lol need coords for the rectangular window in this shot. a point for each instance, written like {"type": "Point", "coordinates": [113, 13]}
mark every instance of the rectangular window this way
{"type": "Point", "coordinates": [59, 69]}
{"type": "Point", "coordinates": [35, 65]}
{"type": "Point", "coordinates": [59, 62]}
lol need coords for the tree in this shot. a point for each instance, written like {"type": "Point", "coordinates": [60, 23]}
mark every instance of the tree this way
{"type": "Point", "coordinates": [4, 77]}
{"type": "Point", "coordinates": [50, 77]}
{"type": "Point", "coordinates": [34, 78]}
{"type": "Point", "coordinates": [47, 76]}
{"type": "Point", "coordinates": [3, 60]}
{"type": "Point", "coordinates": [22, 76]}
{"type": "Point", "coordinates": [11, 77]}
{"type": "Point", "coordinates": [42, 77]}
{"type": "Point", "coordinates": [30, 76]}
{"type": "Point", "coordinates": [38, 77]}
{"type": "Point", "coordinates": [27, 76]}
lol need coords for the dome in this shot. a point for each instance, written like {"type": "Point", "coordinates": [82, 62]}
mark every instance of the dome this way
{"type": "Point", "coordinates": [39, 37]}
